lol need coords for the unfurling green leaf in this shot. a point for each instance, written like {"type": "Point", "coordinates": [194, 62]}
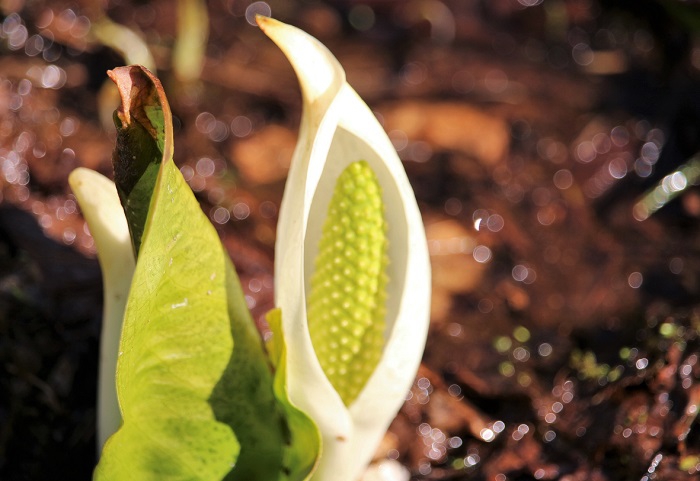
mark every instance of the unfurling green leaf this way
{"type": "Point", "coordinates": [302, 452]}
{"type": "Point", "coordinates": [347, 303]}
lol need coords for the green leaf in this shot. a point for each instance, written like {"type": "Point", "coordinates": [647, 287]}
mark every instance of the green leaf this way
{"type": "Point", "coordinates": [244, 397]}
{"type": "Point", "coordinates": [175, 346]}
{"type": "Point", "coordinates": [304, 448]}
{"type": "Point", "coordinates": [194, 386]}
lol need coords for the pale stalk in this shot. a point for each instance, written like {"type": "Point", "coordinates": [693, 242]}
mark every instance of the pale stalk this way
{"type": "Point", "coordinates": [99, 202]}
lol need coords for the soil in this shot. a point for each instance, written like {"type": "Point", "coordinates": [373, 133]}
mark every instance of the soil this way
{"type": "Point", "coordinates": [564, 330]}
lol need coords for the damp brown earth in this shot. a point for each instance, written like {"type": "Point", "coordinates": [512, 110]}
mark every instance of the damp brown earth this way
{"type": "Point", "coordinates": [550, 146]}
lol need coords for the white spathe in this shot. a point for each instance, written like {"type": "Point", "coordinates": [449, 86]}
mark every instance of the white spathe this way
{"type": "Point", "coordinates": [338, 128]}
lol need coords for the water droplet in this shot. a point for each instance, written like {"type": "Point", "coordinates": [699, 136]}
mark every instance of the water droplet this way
{"type": "Point", "coordinates": [601, 143]}
{"type": "Point", "coordinates": [240, 211]}
{"type": "Point", "coordinates": [81, 27]}
{"type": "Point", "coordinates": [519, 273]}
{"type": "Point", "coordinates": [65, 20]}
{"type": "Point", "coordinates": [45, 221]}
{"type": "Point", "coordinates": [255, 285]}
{"type": "Point", "coordinates": [398, 139]}
{"type": "Point", "coordinates": [205, 122]}
{"type": "Point", "coordinates": [221, 215]}
{"type": "Point", "coordinates": [17, 38]}
{"type": "Point", "coordinates": [487, 435]}
{"type": "Point", "coordinates": [205, 167]}
{"type": "Point", "coordinates": [52, 53]}
{"type": "Point", "coordinates": [585, 151]}
{"type": "Point", "coordinates": [454, 329]}
{"type": "Point", "coordinates": [423, 383]}
{"type": "Point", "coordinates": [219, 131]}
{"type": "Point", "coordinates": [502, 344]}
{"type": "Point", "coordinates": [676, 265]}
{"type": "Point", "coordinates": [506, 369]}
{"type": "Point", "coordinates": [552, 150]}
{"type": "Point", "coordinates": [418, 151]}
{"type": "Point", "coordinates": [53, 77]}
{"type": "Point", "coordinates": [250, 301]}
{"type": "Point", "coordinates": [187, 172]}
{"type": "Point", "coordinates": [544, 349]}
{"type": "Point", "coordinates": [495, 223]}
{"type": "Point", "coordinates": [68, 126]}
{"type": "Point", "coordinates": [619, 136]}
{"type": "Point", "coordinates": [453, 206]}
{"type": "Point", "coordinates": [69, 236]}
{"type": "Point", "coordinates": [521, 354]}
{"type": "Point", "coordinates": [472, 460]}
{"type": "Point", "coordinates": [24, 87]}
{"type": "Point", "coordinates": [617, 168]}
{"type": "Point", "coordinates": [485, 306]}
{"type": "Point", "coordinates": [582, 54]}
{"type": "Point", "coordinates": [454, 442]}
{"type": "Point", "coordinates": [650, 153]}
{"type": "Point", "coordinates": [482, 254]}
{"type": "Point", "coordinates": [257, 8]}
{"type": "Point", "coordinates": [635, 280]}
{"type": "Point", "coordinates": [563, 179]}
{"type": "Point", "coordinates": [413, 73]}
{"type": "Point", "coordinates": [241, 126]}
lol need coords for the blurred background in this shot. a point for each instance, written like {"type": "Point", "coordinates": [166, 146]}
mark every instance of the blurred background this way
{"type": "Point", "coordinates": [552, 146]}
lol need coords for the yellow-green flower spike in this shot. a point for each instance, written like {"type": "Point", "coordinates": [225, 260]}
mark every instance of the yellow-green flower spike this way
{"type": "Point", "coordinates": [347, 303]}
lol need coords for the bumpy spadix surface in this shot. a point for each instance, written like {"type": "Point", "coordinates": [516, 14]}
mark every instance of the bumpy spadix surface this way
{"type": "Point", "coordinates": [346, 306]}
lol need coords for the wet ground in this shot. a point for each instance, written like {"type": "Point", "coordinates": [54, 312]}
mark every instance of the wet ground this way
{"type": "Point", "coordinates": [564, 332]}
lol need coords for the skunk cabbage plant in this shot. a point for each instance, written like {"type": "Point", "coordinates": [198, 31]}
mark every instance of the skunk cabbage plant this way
{"type": "Point", "coordinates": [342, 162]}
{"type": "Point", "coordinates": [197, 397]}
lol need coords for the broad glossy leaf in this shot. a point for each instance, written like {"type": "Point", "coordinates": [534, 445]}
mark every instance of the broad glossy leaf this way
{"type": "Point", "coordinates": [194, 386]}
{"type": "Point", "coordinates": [174, 349]}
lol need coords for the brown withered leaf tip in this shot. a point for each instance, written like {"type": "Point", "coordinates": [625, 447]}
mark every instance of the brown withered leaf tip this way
{"type": "Point", "coordinates": [138, 87]}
